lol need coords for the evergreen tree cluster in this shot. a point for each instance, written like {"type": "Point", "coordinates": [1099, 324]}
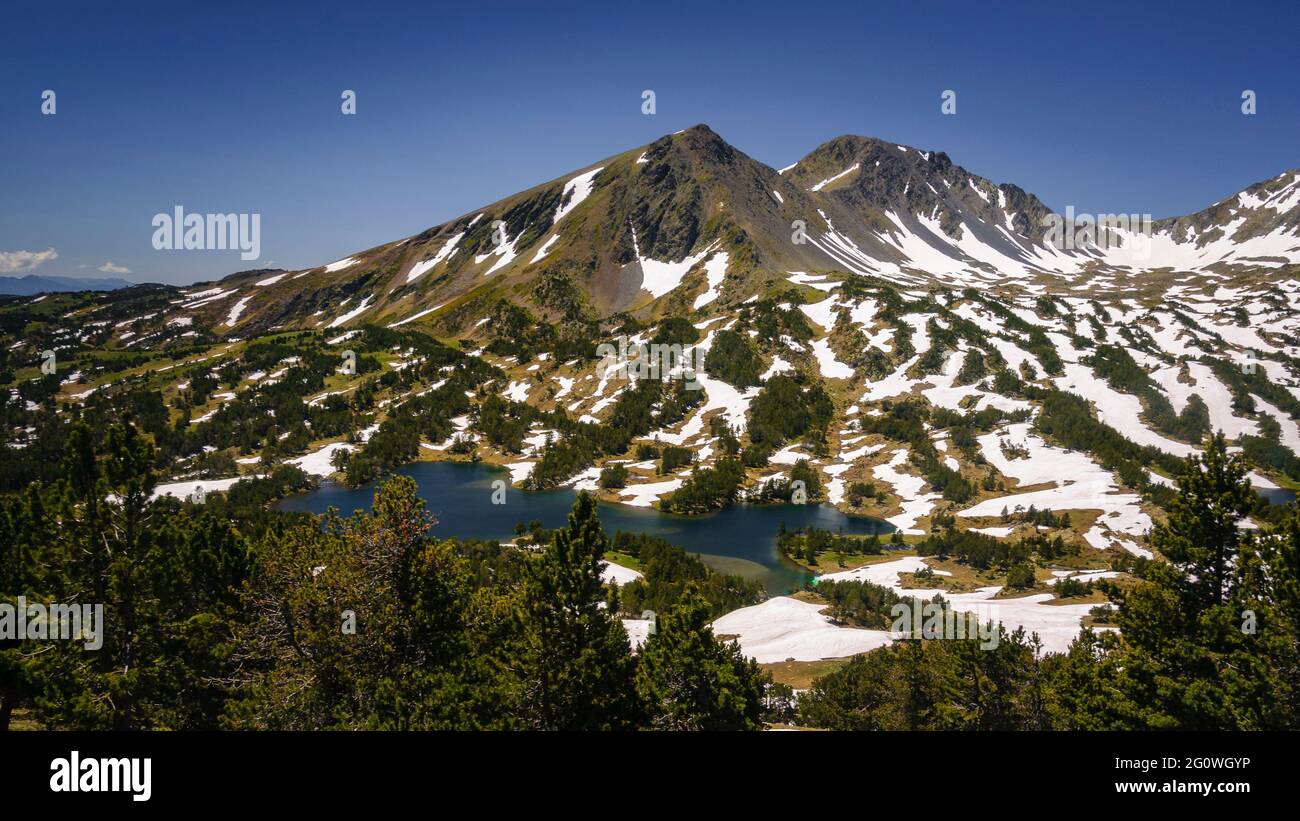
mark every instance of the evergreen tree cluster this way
{"type": "Point", "coordinates": [1209, 639]}
{"type": "Point", "coordinates": [786, 410]}
{"type": "Point", "coordinates": [808, 542]}
{"type": "Point", "coordinates": [985, 552]}
{"type": "Point", "coordinates": [862, 604]}
{"type": "Point", "coordinates": [671, 575]}
{"type": "Point", "coordinates": [1115, 364]}
{"type": "Point", "coordinates": [783, 489]}
{"type": "Point", "coordinates": [227, 615]}
{"type": "Point", "coordinates": [707, 488]}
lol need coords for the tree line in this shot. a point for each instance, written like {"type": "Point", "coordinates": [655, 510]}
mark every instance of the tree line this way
{"type": "Point", "coordinates": [1209, 639]}
{"type": "Point", "coordinates": [228, 615]}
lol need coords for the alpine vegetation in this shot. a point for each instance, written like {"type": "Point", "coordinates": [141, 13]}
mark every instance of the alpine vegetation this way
{"type": "Point", "coordinates": [675, 440]}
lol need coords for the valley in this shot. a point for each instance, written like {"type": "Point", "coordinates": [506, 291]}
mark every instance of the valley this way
{"type": "Point", "coordinates": [903, 383]}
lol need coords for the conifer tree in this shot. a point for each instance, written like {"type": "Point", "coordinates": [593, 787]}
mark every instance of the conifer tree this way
{"type": "Point", "coordinates": [687, 680]}
{"type": "Point", "coordinates": [576, 666]}
{"type": "Point", "coordinates": [367, 623]}
{"type": "Point", "coordinates": [1205, 640]}
{"type": "Point", "coordinates": [1202, 536]}
{"type": "Point", "coordinates": [166, 575]}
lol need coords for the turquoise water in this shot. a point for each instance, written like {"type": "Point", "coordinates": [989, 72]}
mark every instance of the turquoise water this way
{"type": "Point", "coordinates": [740, 539]}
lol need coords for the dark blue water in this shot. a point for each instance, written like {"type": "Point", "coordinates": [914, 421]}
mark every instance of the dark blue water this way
{"type": "Point", "coordinates": [739, 539]}
{"type": "Point", "coordinates": [1276, 495]}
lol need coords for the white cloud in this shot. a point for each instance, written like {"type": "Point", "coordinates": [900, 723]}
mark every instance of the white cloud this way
{"type": "Point", "coordinates": [17, 262]}
{"type": "Point", "coordinates": [110, 268]}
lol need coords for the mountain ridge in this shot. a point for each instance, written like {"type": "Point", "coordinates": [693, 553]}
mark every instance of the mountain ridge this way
{"type": "Point", "coordinates": [902, 213]}
{"type": "Point", "coordinates": [33, 284]}
{"type": "Point", "coordinates": [637, 231]}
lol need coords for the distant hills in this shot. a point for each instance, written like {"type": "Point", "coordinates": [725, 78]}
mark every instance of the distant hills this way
{"type": "Point", "coordinates": [33, 284]}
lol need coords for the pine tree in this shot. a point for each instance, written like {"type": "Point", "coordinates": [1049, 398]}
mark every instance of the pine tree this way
{"type": "Point", "coordinates": [367, 623]}
{"type": "Point", "coordinates": [166, 576]}
{"type": "Point", "coordinates": [1202, 536]}
{"type": "Point", "coordinates": [1205, 639]}
{"type": "Point", "coordinates": [687, 680]}
{"type": "Point", "coordinates": [576, 666]}
{"type": "Point", "coordinates": [26, 532]}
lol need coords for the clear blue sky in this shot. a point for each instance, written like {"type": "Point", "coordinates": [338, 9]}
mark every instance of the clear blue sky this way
{"type": "Point", "coordinates": [226, 107]}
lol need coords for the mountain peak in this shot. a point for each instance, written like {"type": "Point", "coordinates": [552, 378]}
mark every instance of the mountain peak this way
{"type": "Point", "coordinates": [697, 130]}
{"type": "Point", "coordinates": [642, 231]}
{"type": "Point", "coordinates": [701, 141]}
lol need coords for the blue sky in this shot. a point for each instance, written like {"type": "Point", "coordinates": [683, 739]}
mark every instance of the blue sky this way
{"type": "Point", "coordinates": [228, 107]}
